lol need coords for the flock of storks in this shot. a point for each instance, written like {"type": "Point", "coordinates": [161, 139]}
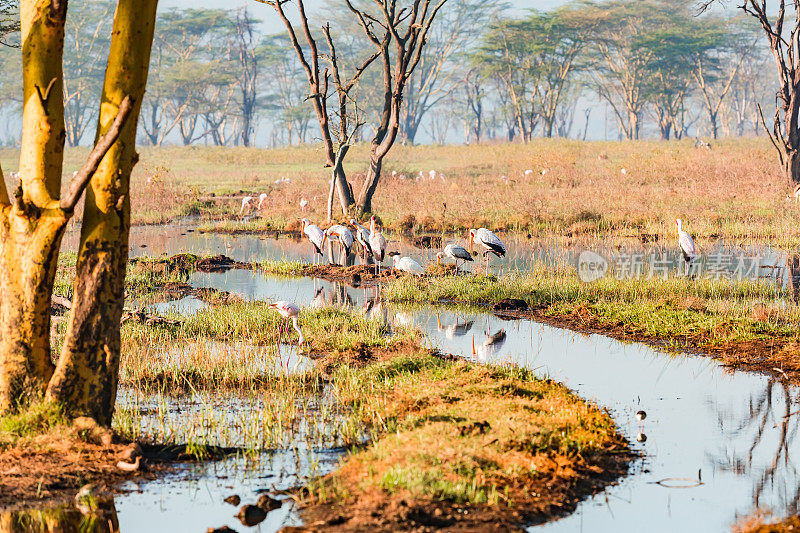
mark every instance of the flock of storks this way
{"type": "Point", "coordinates": [372, 246]}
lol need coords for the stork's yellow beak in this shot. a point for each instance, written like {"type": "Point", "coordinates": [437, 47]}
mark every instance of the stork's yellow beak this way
{"type": "Point", "coordinates": [471, 243]}
{"type": "Point", "coordinates": [474, 352]}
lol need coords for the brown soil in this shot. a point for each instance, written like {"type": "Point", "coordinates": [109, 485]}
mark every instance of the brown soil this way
{"type": "Point", "coordinates": [182, 264]}
{"type": "Point", "coordinates": [757, 524]}
{"type": "Point", "coordinates": [174, 290]}
{"type": "Point", "coordinates": [544, 498]}
{"type": "Point", "coordinates": [53, 471]}
{"type": "Point", "coordinates": [51, 468]}
{"type": "Point", "coordinates": [352, 275]}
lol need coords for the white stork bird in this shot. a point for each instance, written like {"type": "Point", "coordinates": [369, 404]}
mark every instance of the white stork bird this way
{"type": "Point", "coordinates": [261, 198]}
{"type": "Point", "coordinates": [528, 173]}
{"type": "Point", "coordinates": [455, 252]}
{"type": "Point", "coordinates": [432, 175]}
{"type": "Point", "coordinates": [377, 243]}
{"type": "Point", "coordinates": [343, 236]}
{"type": "Point", "coordinates": [247, 205]}
{"type": "Point", "coordinates": [490, 242]}
{"type": "Point", "coordinates": [315, 235]}
{"type": "Point", "coordinates": [406, 264]}
{"type": "Point", "coordinates": [362, 236]}
{"type": "Point", "coordinates": [289, 311]}
{"type": "Point", "coordinates": [303, 204]}
{"type": "Point", "coordinates": [685, 243]}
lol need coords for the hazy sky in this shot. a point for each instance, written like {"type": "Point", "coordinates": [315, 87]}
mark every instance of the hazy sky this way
{"type": "Point", "coordinates": [272, 23]}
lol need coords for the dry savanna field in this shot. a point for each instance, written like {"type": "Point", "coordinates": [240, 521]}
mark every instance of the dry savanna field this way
{"type": "Point", "coordinates": [593, 189]}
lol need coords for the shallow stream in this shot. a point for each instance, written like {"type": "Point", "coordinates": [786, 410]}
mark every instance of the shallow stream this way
{"type": "Point", "coordinates": [717, 445]}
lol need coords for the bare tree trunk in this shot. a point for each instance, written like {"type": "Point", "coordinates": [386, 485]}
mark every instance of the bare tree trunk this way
{"type": "Point", "coordinates": [371, 181]}
{"type": "Point", "coordinates": [87, 374]}
{"type": "Point", "coordinates": [28, 256]}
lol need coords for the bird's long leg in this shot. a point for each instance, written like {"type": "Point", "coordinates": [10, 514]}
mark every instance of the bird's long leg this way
{"type": "Point", "coordinates": [278, 346]}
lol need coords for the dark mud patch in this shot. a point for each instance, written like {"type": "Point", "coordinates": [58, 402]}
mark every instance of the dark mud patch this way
{"type": "Point", "coordinates": [426, 241]}
{"type": "Point", "coordinates": [176, 290]}
{"type": "Point", "coordinates": [50, 469]}
{"type": "Point", "coordinates": [352, 275]}
{"type": "Point", "coordinates": [510, 307]}
{"type": "Point", "coordinates": [181, 265]}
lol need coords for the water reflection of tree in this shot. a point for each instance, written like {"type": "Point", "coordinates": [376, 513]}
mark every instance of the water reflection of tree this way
{"type": "Point", "coordinates": [65, 518]}
{"type": "Point", "coordinates": [769, 426]}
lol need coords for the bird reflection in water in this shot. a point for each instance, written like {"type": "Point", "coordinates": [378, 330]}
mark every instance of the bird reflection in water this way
{"type": "Point", "coordinates": [458, 329]}
{"type": "Point", "coordinates": [489, 348]}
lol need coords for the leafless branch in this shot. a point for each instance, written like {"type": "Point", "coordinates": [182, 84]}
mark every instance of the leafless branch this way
{"type": "Point", "coordinates": [81, 180]}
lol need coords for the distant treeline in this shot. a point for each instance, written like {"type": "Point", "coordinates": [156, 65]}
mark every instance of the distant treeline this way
{"type": "Point", "coordinates": [649, 66]}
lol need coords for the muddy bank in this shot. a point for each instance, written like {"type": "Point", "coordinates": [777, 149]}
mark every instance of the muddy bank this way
{"type": "Point", "coordinates": [549, 498]}
{"type": "Point", "coordinates": [50, 469]}
{"type": "Point", "coordinates": [364, 275]}
{"type": "Point", "coordinates": [170, 291]}
{"type": "Point", "coordinates": [184, 264]}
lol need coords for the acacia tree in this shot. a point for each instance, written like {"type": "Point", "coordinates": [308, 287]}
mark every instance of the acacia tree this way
{"type": "Point", "coordinates": [33, 222]}
{"type": "Point", "coordinates": [782, 29]}
{"type": "Point", "coordinates": [399, 34]}
{"type": "Point", "coordinates": [435, 80]}
{"type": "Point", "coordinates": [669, 73]}
{"type": "Point", "coordinates": [718, 69]}
{"type": "Point", "coordinates": [620, 66]}
{"type": "Point", "coordinates": [336, 141]}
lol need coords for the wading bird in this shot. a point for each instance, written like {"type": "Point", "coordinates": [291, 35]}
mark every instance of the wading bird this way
{"type": "Point", "coordinates": [685, 243]}
{"type": "Point", "coordinates": [343, 236]}
{"type": "Point", "coordinates": [261, 198]}
{"type": "Point", "coordinates": [490, 242]}
{"type": "Point", "coordinates": [377, 243]}
{"type": "Point", "coordinates": [289, 311]}
{"type": "Point", "coordinates": [247, 205]}
{"type": "Point", "coordinates": [303, 204]}
{"type": "Point", "coordinates": [315, 236]}
{"type": "Point", "coordinates": [406, 264]}
{"type": "Point", "coordinates": [455, 252]}
{"type": "Point", "coordinates": [362, 236]}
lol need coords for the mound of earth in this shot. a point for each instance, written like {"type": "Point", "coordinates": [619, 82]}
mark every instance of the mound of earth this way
{"type": "Point", "coordinates": [513, 306]}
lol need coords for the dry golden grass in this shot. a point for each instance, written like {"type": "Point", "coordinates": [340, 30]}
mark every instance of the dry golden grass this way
{"type": "Point", "coordinates": [734, 190]}
{"type": "Point", "coordinates": [509, 445]}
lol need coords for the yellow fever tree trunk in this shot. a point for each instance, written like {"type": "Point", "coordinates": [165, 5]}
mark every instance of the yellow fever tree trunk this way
{"type": "Point", "coordinates": [86, 378]}
{"type": "Point", "coordinates": [32, 225]}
